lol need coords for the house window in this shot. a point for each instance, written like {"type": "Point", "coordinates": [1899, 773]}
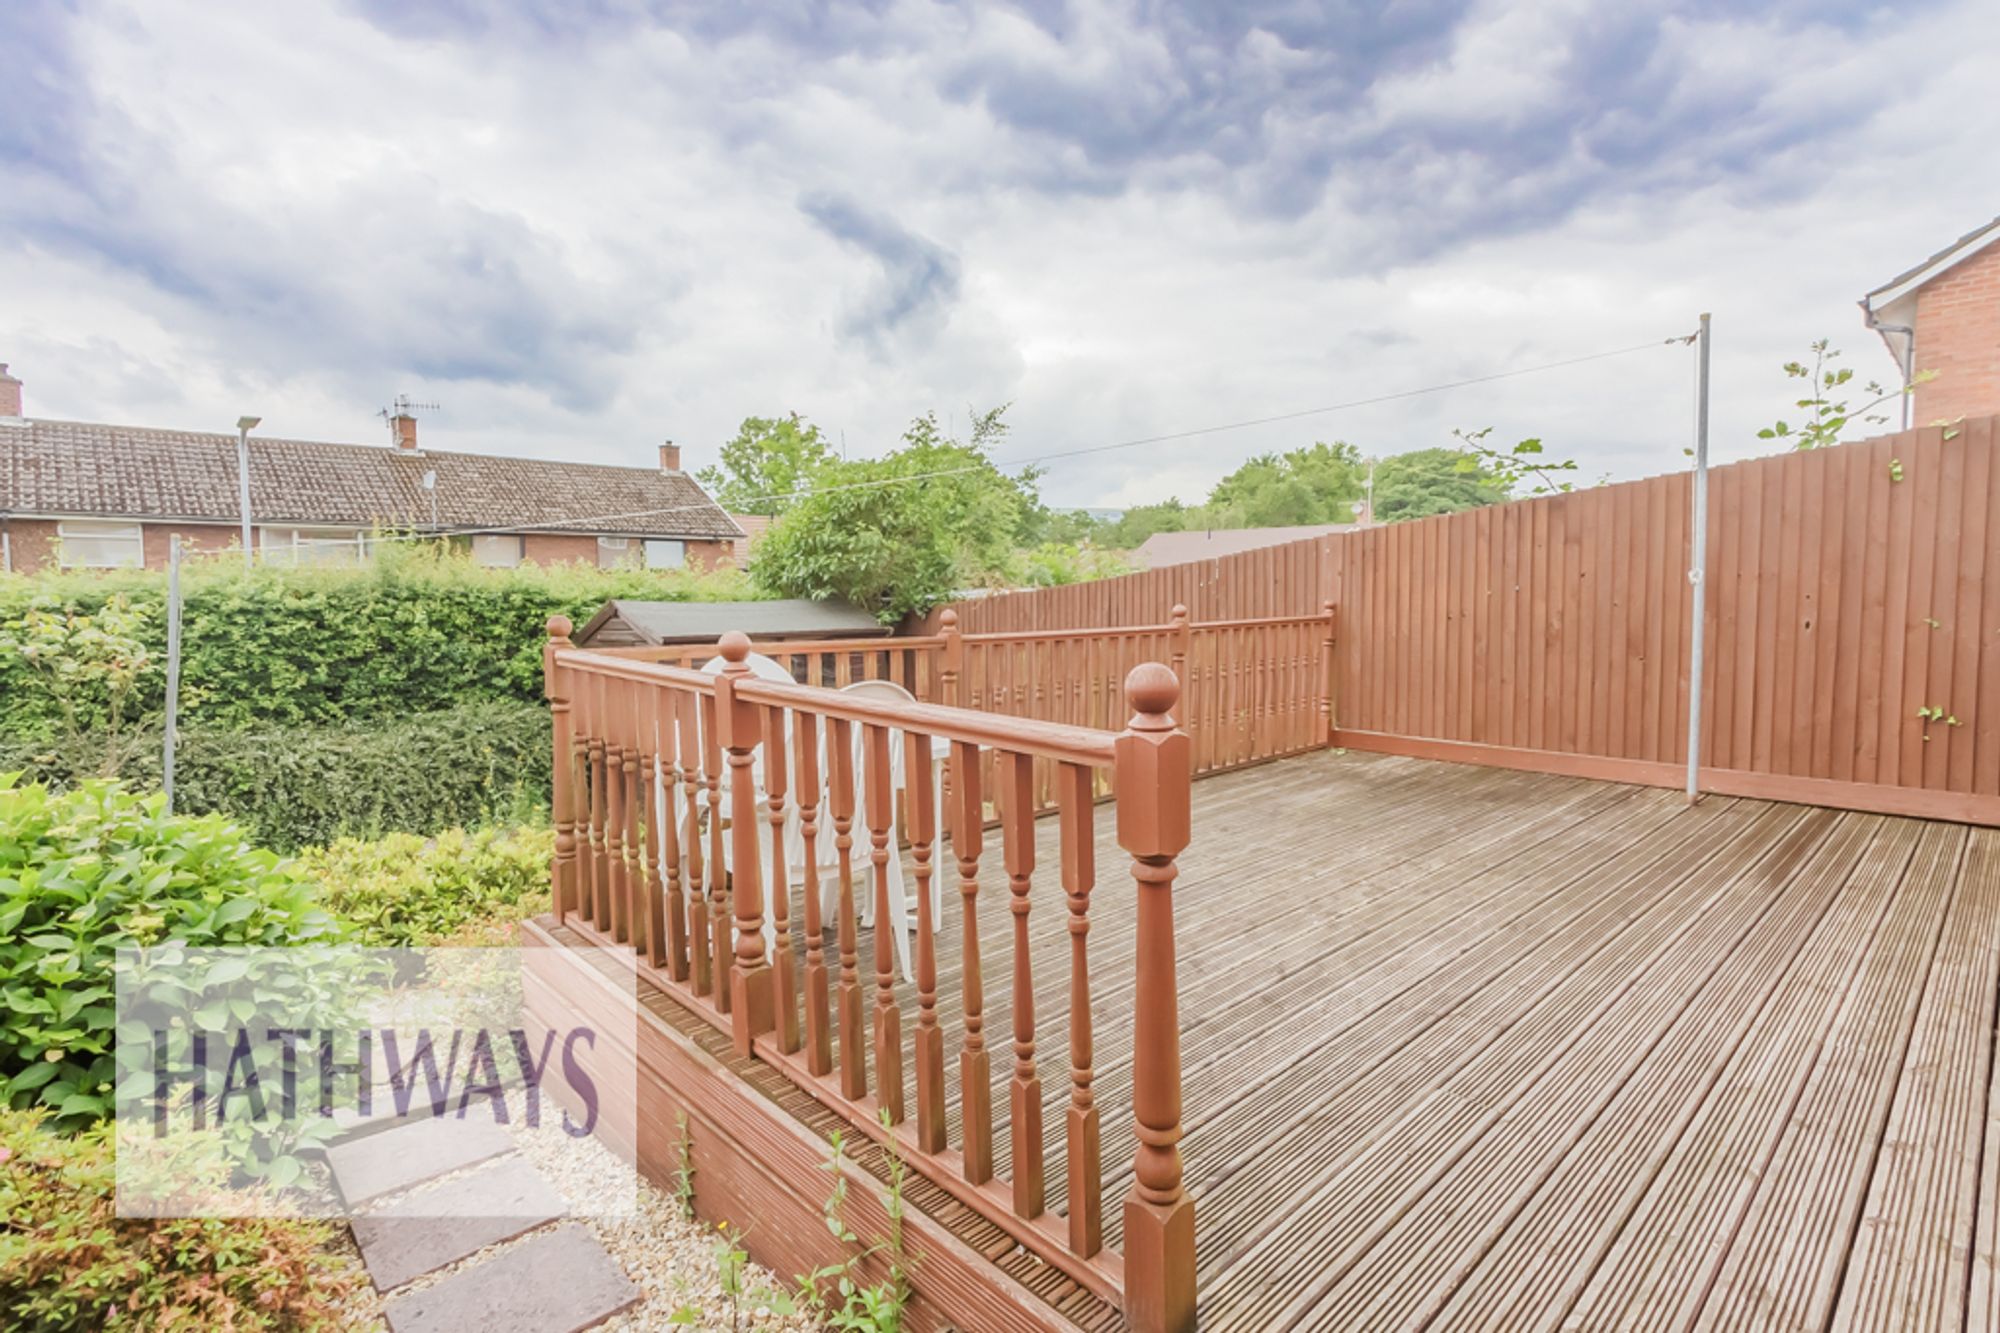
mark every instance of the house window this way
{"type": "Point", "coordinates": [662, 553]}
{"type": "Point", "coordinates": [500, 550]}
{"type": "Point", "coordinates": [614, 551]}
{"type": "Point", "coordinates": [100, 545]}
{"type": "Point", "coordinates": [314, 546]}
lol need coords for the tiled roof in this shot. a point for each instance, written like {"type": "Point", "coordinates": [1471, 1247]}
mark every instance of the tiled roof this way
{"type": "Point", "coordinates": [1180, 548]}
{"type": "Point", "coordinates": [75, 468]}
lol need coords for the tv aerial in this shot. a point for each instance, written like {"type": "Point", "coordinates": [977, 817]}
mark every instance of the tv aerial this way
{"type": "Point", "coordinates": [403, 407]}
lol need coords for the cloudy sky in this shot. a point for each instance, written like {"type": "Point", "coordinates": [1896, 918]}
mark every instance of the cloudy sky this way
{"type": "Point", "coordinates": [583, 226]}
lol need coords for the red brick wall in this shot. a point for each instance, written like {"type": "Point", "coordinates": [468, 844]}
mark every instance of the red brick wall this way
{"type": "Point", "coordinates": [31, 544]}
{"type": "Point", "coordinates": [196, 539]}
{"type": "Point", "coordinates": [555, 548]}
{"type": "Point", "coordinates": [1958, 336]}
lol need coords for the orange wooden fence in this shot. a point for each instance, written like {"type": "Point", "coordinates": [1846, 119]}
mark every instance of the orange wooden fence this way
{"type": "Point", "coordinates": [672, 795]}
{"type": "Point", "coordinates": [1853, 626]}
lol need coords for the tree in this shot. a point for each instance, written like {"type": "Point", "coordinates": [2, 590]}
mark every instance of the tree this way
{"type": "Point", "coordinates": [1522, 465]}
{"type": "Point", "coordinates": [1424, 482]}
{"type": "Point", "coordinates": [769, 462]}
{"type": "Point", "coordinates": [901, 533]}
{"type": "Point", "coordinates": [1142, 521]}
{"type": "Point", "coordinates": [1826, 417]}
{"type": "Point", "coordinates": [1317, 484]}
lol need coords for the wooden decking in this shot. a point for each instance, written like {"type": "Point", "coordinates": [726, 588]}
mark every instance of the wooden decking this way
{"type": "Point", "coordinates": [1468, 1048]}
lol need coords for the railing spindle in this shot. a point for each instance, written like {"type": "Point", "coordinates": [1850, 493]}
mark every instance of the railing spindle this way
{"type": "Point", "coordinates": [975, 1071]}
{"type": "Point", "coordinates": [654, 917]}
{"type": "Point", "coordinates": [853, 1045]}
{"type": "Point", "coordinates": [1017, 773]}
{"type": "Point", "coordinates": [556, 684]}
{"type": "Point", "coordinates": [721, 948]}
{"type": "Point", "coordinates": [1153, 825]}
{"type": "Point", "coordinates": [785, 993]}
{"type": "Point", "coordinates": [665, 707]}
{"type": "Point", "coordinates": [1075, 789]}
{"type": "Point", "coordinates": [600, 810]}
{"type": "Point", "coordinates": [750, 1001]}
{"type": "Point", "coordinates": [819, 1045]}
{"type": "Point", "coordinates": [634, 869]}
{"type": "Point", "coordinates": [920, 809]}
{"type": "Point", "coordinates": [888, 1018]}
{"type": "Point", "coordinates": [700, 959]}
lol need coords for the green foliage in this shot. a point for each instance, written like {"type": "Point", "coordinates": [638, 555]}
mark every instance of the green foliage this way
{"type": "Point", "coordinates": [86, 668]}
{"type": "Point", "coordinates": [1424, 482]}
{"type": "Point", "coordinates": [88, 871]}
{"type": "Point", "coordinates": [1826, 415]}
{"type": "Point", "coordinates": [1318, 484]}
{"type": "Point", "coordinates": [1523, 465]}
{"type": "Point", "coordinates": [417, 630]}
{"type": "Point", "coordinates": [901, 533]}
{"type": "Point", "coordinates": [405, 891]}
{"type": "Point", "coordinates": [69, 1264]}
{"type": "Point", "coordinates": [1054, 563]}
{"type": "Point", "coordinates": [767, 464]}
{"type": "Point", "coordinates": [299, 786]}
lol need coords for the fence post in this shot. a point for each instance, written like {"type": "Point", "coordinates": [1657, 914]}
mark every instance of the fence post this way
{"type": "Point", "coordinates": [1332, 636]}
{"type": "Point", "coordinates": [1153, 765]}
{"type": "Point", "coordinates": [555, 686]}
{"type": "Point", "coordinates": [1183, 640]}
{"type": "Point", "coordinates": [738, 724]}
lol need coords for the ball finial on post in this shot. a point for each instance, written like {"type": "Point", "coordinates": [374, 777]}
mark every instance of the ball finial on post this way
{"type": "Point", "coordinates": [1152, 690]}
{"type": "Point", "coordinates": [735, 646]}
{"type": "Point", "coordinates": [949, 619]}
{"type": "Point", "coordinates": [1180, 611]}
{"type": "Point", "coordinates": [559, 626]}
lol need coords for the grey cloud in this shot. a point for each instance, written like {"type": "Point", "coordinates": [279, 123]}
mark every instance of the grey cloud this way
{"type": "Point", "coordinates": [919, 279]}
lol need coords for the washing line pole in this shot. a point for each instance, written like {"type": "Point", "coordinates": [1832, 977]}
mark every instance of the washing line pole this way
{"type": "Point", "coordinates": [1698, 569]}
{"type": "Point", "coordinates": [173, 668]}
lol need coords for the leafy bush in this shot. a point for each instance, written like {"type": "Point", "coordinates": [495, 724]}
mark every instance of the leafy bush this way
{"type": "Point", "coordinates": [68, 1262]}
{"type": "Point", "coordinates": [460, 887]}
{"type": "Point", "coordinates": [417, 630]}
{"type": "Point", "coordinates": [85, 872]}
{"type": "Point", "coordinates": [301, 786]}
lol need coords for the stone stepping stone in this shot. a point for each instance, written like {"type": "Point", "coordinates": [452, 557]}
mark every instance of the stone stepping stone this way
{"type": "Point", "coordinates": [423, 1232]}
{"type": "Point", "coordinates": [376, 1164]}
{"type": "Point", "coordinates": [558, 1282]}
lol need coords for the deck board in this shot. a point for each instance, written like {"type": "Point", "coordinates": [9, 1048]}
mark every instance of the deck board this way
{"type": "Point", "coordinates": [1474, 1049]}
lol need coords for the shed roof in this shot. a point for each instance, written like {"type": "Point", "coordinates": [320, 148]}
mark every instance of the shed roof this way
{"type": "Point", "coordinates": [698, 622]}
{"type": "Point", "coordinates": [1179, 548]}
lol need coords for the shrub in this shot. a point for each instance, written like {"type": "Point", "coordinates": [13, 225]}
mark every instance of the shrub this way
{"type": "Point", "coordinates": [68, 1262]}
{"type": "Point", "coordinates": [301, 786]}
{"type": "Point", "coordinates": [417, 630]}
{"type": "Point", "coordinates": [85, 872]}
{"type": "Point", "coordinates": [460, 887]}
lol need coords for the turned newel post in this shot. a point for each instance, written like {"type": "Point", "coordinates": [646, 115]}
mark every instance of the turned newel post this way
{"type": "Point", "coordinates": [738, 724]}
{"type": "Point", "coordinates": [951, 674]}
{"type": "Point", "coordinates": [1326, 646]}
{"type": "Point", "coordinates": [555, 687]}
{"type": "Point", "coordinates": [1153, 767]}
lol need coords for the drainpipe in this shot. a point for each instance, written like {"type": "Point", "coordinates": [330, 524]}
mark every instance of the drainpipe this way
{"type": "Point", "coordinates": [6, 544]}
{"type": "Point", "coordinates": [1908, 358]}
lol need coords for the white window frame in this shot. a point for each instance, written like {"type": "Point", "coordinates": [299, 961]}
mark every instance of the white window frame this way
{"type": "Point", "coordinates": [71, 530]}
{"type": "Point", "coordinates": [520, 549]}
{"type": "Point", "coordinates": [306, 544]}
{"type": "Point", "coordinates": [614, 552]}
{"type": "Point", "coordinates": [674, 559]}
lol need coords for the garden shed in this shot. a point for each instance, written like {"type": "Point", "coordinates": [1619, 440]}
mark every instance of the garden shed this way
{"type": "Point", "coordinates": [624, 623]}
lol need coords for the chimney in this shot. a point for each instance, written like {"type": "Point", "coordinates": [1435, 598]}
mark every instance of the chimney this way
{"type": "Point", "coordinates": [406, 430]}
{"type": "Point", "coordinates": [670, 454]}
{"type": "Point", "coordinates": [10, 393]}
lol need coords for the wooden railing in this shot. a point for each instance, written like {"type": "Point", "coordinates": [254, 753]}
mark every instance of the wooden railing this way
{"type": "Point", "coordinates": [671, 798]}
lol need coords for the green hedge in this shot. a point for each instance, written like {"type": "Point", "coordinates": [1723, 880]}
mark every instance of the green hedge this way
{"type": "Point", "coordinates": [297, 786]}
{"type": "Point", "coordinates": [458, 888]}
{"type": "Point", "coordinates": [418, 630]}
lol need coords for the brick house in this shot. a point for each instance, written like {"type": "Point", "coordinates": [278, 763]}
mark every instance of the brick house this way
{"type": "Point", "coordinates": [79, 495]}
{"type": "Point", "coordinates": [1944, 316]}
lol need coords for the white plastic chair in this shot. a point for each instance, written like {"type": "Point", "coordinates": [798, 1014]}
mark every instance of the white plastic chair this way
{"type": "Point", "coordinates": [864, 870]}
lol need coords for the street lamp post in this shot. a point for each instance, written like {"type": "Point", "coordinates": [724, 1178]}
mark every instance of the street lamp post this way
{"type": "Point", "coordinates": [244, 425]}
